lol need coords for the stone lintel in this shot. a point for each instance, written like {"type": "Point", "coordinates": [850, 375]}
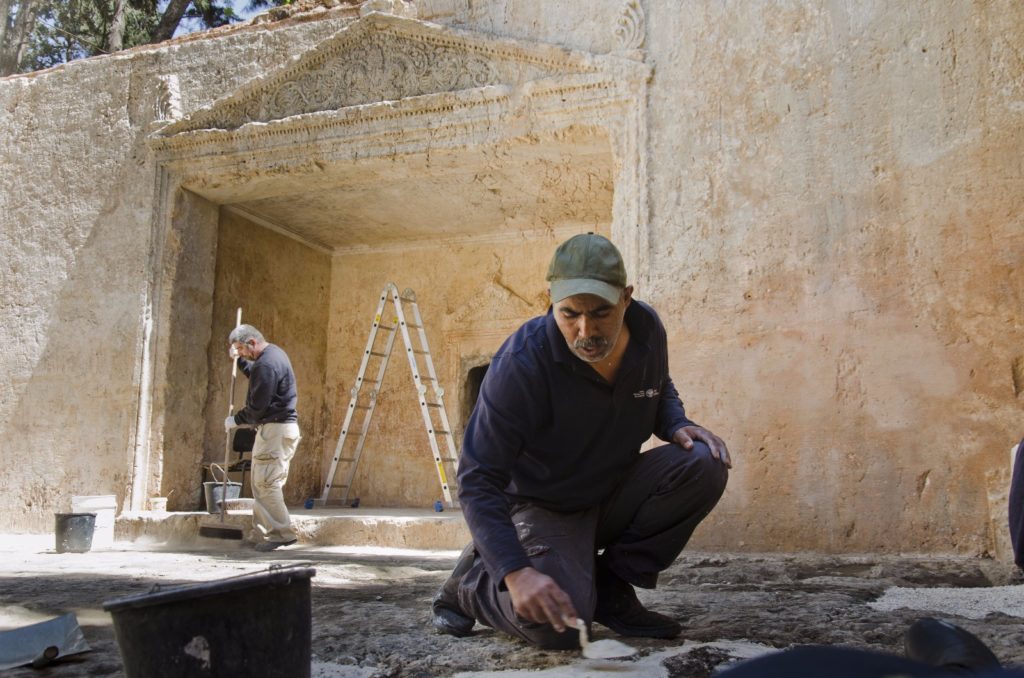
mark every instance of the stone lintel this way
{"type": "Point", "coordinates": [381, 59]}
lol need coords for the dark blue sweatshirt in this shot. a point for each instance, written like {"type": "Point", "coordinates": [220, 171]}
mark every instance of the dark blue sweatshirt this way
{"type": "Point", "coordinates": [549, 430]}
{"type": "Point", "coordinates": [271, 397]}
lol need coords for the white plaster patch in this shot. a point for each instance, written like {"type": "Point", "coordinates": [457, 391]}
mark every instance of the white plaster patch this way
{"type": "Point", "coordinates": [973, 603]}
{"type": "Point", "coordinates": [16, 616]}
{"type": "Point", "coordinates": [199, 648]}
{"type": "Point", "coordinates": [649, 666]}
{"type": "Point", "coordinates": [331, 670]}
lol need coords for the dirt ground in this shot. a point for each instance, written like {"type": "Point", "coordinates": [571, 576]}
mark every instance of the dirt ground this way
{"type": "Point", "coordinates": [370, 607]}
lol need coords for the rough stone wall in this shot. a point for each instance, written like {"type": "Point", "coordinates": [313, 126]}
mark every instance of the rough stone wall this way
{"type": "Point", "coordinates": [74, 244]}
{"type": "Point", "coordinates": [471, 296]}
{"type": "Point", "coordinates": [836, 230]}
{"type": "Point", "coordinates": [598, 26]}
{"type": "Point", "coordinates": [76, 212]}
{"type": "Point", "coordinates": [831, 223]}
{"type": "Point", "coordinates": [186, 300]}
{"type": "Point", "coordinates": [283, 289]}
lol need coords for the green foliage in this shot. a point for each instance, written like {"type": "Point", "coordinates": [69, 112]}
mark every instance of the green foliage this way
{"type": "Point", "coordinates": [65, 30]}
{"type": "Point", "coordinates": [73, 29]}
{"type": "Point", "coordinates": [203, 14]}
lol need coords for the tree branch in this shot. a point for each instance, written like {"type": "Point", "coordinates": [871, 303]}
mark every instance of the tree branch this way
{"type": "Point", "coordinates": [115, 36]}
{"type": "Point", "coordinates": [15, 38]}
{"type": "Point", "coordinates": [170, 20]}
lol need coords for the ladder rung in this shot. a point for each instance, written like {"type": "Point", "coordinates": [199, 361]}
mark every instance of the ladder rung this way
{"type": "Point", "coordinates": [404, 321]}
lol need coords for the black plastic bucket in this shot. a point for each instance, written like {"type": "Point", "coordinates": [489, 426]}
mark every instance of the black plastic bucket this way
{"type": "Point", "coordinates": [256, 625]}
{"type": "Point", "coordinates": [74, 531]}
{"type": "Point", "coordinates": [214, 492]}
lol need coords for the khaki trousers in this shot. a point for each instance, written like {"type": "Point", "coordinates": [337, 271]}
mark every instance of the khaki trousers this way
{"type": "Point", "coordinates": [271, 456]}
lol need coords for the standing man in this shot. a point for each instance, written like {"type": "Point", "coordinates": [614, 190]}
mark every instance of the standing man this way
{"type": "Point", "coordinates": [270, 407]}
{"type": "Point", "coordinates": [566, 514]}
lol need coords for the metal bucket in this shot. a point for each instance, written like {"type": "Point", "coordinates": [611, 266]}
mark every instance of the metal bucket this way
{"type": "Point", "coordinates": [255, 625]}
{"type": "Point", "coordinates": [214, 493]}
{"type": "Point", "coordinates": [105, 508]}
{"type": "Point", "coordinates": [74, 531]}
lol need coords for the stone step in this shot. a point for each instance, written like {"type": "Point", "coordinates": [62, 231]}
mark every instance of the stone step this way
{"type": "Point", "coordinates": [383, 527]}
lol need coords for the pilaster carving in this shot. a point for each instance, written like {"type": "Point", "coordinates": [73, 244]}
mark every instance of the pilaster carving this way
{"type": "Point", "coordinates": [168, 98]}
{"type": "Point", "coordinates": [631, 28]}
{"type": "Point", "coordinates": [402, 8]}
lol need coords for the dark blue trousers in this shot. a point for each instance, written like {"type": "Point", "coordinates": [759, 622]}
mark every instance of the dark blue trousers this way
{"type": "Point", "coordinates": [815, 661]}
{"type": "Point", "coordinates": [642, 527]}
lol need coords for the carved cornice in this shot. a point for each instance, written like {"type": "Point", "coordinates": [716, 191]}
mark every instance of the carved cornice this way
{"type": "Point", "coordinates": [384, 58]}
{"type": "Point", "coordinates": [434, 117]}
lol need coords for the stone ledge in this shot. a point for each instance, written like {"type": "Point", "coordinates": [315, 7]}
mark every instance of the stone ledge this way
{"type": "Point", "coordinates": [385, 527]}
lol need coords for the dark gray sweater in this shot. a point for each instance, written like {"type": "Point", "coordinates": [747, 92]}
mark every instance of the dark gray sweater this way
{"type": "Point", "coordinates": [271, 397]}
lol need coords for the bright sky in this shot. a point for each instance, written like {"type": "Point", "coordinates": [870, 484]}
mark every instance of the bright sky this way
{"type": "Point", "coordinates": [192, 25]}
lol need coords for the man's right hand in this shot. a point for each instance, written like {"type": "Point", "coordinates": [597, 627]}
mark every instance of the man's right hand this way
{"type": "Point", "coordinates": [537, 598]}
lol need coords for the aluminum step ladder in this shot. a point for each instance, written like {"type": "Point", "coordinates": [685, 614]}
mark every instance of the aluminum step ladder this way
{"type": "Point", "coordinates": [429, 392]}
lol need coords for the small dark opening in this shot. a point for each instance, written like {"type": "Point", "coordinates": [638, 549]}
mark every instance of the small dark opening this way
{"type": "Point", "coordinates": [471, 392]}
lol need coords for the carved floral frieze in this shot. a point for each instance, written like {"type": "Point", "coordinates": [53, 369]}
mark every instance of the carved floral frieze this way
{"type": "Point", "coordinates": [375, 63]}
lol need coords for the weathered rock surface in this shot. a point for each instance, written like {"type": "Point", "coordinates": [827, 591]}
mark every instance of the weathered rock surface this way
{"type": "Point", "coordinates": [370, 608]}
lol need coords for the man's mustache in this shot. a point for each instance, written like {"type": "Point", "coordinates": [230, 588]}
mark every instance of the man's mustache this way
{"type": "Point", "coordinates": [590, 343]}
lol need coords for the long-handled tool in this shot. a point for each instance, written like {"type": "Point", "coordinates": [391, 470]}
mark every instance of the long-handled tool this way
{"type": "Point", "coordinates": [220, 529]}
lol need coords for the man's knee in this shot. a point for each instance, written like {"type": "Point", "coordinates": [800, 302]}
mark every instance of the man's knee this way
{"type": "Point", "coordinates": [713, 473]}
{"type": "Point", "coordinates": [696, 469]}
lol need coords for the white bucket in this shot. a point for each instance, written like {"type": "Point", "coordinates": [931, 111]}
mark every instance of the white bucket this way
{"type": "Point", "coordinates": [104, 506]}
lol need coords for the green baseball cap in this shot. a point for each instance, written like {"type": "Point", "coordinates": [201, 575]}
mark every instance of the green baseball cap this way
{"type": "Point", "coordinates": [587, 264]}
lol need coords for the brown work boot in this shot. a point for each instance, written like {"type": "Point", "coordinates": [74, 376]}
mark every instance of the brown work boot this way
{"type": "Point", "coordinates": [619, 609]}
{"type": "Point", "coordinates": [448, 617]}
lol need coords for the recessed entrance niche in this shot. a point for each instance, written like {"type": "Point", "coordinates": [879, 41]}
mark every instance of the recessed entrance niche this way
{"type": "Point", "coordinates": [457, 190]}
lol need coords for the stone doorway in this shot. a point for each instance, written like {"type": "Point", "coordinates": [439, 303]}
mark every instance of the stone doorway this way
{"type": "Point", "coordinates": [459, 195]}
{"type": "Point", "coordinates": [471, 391]}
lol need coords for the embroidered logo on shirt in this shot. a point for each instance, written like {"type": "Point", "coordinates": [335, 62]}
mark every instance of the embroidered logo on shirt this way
{"type": "Point", "coordinates": [649, 393]}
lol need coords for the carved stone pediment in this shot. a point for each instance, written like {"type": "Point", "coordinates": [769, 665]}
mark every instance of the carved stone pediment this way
{"type": "Point", "coordinates": [384, 58]}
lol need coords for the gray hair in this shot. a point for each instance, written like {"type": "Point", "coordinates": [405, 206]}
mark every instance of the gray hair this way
{"type": "Point", "coordinates": [243, 333]}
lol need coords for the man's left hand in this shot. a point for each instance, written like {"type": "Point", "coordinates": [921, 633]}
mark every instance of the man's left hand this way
{"type": "Point", "coordinates": [685, 436]}
{"type": "Point", "coordinates": [229, 424]}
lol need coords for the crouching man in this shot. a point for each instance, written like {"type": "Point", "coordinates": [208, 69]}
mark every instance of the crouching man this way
{"type": "Point", "coordinates": [567, 516]}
